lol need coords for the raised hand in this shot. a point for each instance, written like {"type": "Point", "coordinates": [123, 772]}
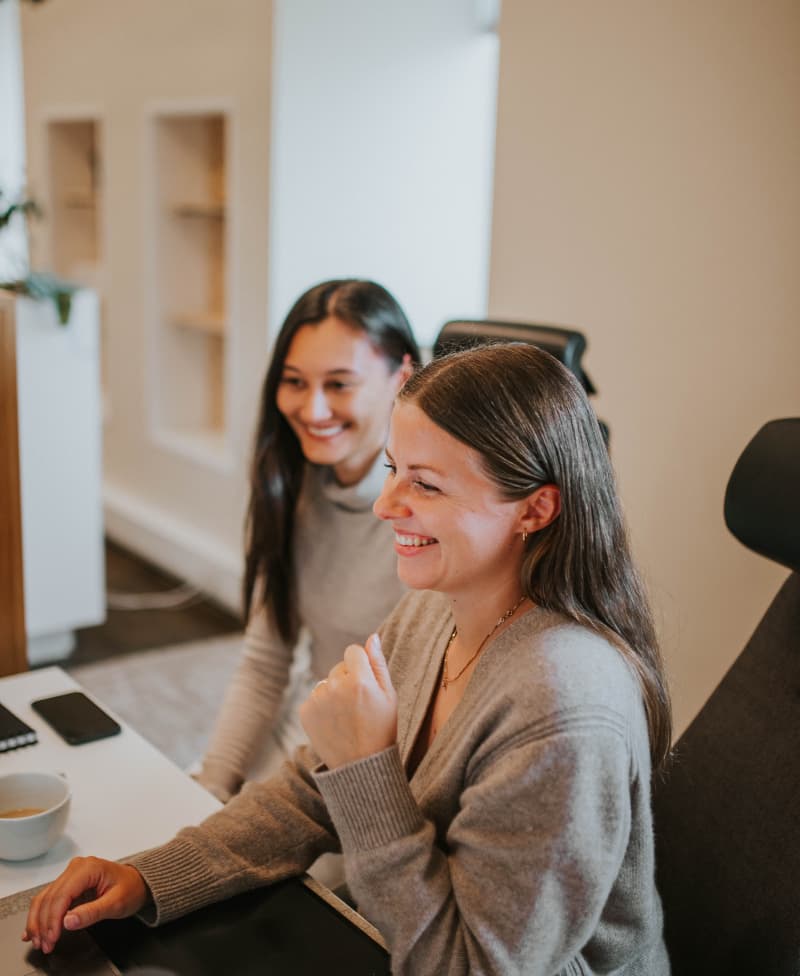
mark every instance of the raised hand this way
{"type": "Point", "coordinates": [353, 712]}
{"type": "Point", "coordinates": [119, 890]}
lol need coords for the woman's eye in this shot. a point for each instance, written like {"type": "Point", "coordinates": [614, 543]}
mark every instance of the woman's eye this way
{"type": "Point", "coordinates": [424, 486]}
{"type": "Point", "coordinates": [294, 381]}
{"type": "Point", "coordinates": [391, 467]}
{"type": "Point", "coordinates": [337, 386]}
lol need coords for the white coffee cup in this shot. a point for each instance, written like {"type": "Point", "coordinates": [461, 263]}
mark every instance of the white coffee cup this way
{"type": "Point", "coordinates": [33, 813]}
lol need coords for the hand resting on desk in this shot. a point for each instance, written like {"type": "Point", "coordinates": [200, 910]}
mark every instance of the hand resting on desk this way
{"type": "Point", "coordinates": [117, 891]}
{"type": "Point", "coordinates": [352, 714]}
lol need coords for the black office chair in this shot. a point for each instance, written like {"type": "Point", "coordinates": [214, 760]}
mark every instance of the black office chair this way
{"type": "Point", "coordinates": [727, 815]}
{"type": "Point", "coordinates": [567, 345]}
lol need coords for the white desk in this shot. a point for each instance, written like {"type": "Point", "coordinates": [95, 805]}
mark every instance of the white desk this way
{"type": "Point", "coordinates": [126, 796]}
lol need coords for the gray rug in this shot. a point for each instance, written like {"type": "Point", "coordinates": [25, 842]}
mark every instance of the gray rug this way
{"type": "Point", "coordinates": [169, 695]}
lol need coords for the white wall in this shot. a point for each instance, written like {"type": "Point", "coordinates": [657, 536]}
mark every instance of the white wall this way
{"type": "Point", "coordinates": [383, 138]}
{"type": "Point", "coordinates": [647, 192]}
{"type": "Point", "coordinates": [13, 243]}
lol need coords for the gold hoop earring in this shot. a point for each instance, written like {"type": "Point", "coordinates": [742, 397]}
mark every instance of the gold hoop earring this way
{"type": "Point", "coordinates": [524, 536]}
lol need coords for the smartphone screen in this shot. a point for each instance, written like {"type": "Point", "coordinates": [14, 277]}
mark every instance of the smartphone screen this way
{"type": "Point", "coordinates": [76, 718]}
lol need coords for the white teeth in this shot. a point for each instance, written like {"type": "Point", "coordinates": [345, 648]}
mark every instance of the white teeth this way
{"type": "Point", "coordinates": [325, 431]}
{"type": "Point", "coordinates": [413, 540]}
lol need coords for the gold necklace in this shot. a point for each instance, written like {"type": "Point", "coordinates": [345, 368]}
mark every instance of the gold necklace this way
{"type": "Point", "coordinates": [448, 681]}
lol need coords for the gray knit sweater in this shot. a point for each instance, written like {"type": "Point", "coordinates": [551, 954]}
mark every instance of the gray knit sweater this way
{"type": "Point", "coordinates": [523, 842]}
{"type": "Point", "coordinates": [342, 597]}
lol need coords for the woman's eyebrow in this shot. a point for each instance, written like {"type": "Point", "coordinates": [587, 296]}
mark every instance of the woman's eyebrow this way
{"type": "Point", "coordinates": [417, 467]}
{"type": "Point", "coordinates": [426, 467]}
{"type": "Point", "coordinates": [339, 371]}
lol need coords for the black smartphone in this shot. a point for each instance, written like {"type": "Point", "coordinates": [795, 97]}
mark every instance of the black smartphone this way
{"type": "Point", "coordinates": [76, 718]}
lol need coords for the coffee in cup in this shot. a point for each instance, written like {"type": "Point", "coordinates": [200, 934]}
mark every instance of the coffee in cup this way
{"type": "Point", "coordinates": [33, 813]}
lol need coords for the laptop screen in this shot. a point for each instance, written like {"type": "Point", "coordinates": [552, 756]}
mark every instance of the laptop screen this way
{"type": "Point", "coordinates": [281, 929]}
{"type": "Point", "coordinates": [77, 954]}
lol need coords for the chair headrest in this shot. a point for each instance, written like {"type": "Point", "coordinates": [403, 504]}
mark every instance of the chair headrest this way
{"type": "Point", "coordinates": [567, 345]}
{"type": "Point", "coordinates": [762, 500]}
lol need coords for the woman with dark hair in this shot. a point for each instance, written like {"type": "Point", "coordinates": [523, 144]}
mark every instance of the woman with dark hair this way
{"type": "Point", "coordinates": [489, 786]}
{"type": "Point", "coordinates": [340, 357]}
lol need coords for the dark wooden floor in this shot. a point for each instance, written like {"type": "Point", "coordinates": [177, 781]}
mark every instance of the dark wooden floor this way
{"type": "Point", "coordinates": [135, 630]}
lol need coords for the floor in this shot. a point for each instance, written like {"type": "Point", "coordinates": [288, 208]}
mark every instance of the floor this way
{"type": "Point", "coordinates": [127, 578]}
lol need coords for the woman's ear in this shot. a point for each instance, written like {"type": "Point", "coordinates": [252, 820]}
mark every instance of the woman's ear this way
{"type": "Point", "coordinates": [403, 372]}
{"type": "Point", "coordinates": [541, 508]}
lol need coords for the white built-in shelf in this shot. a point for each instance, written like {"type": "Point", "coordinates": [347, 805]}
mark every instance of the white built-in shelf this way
{"type": "Point", "coordinates": [74, 164]}
{"type": "Point", "coordinates": [199, 208]}
{"type": "Point", "coordinates": [205, 322]}
{"type": "Point", "coordinates": [79, 199]}
{"type": "Point", "coordinates": [74, 214]}
{"type": "Point", "coordinates": [191, 257]}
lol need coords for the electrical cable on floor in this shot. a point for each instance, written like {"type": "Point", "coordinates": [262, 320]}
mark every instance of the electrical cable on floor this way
{"type": "Point", "coordinates": [174, 599]}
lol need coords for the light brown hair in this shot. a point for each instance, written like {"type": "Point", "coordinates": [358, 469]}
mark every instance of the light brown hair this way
{"type": "Point", "coordinates": [531, 423]}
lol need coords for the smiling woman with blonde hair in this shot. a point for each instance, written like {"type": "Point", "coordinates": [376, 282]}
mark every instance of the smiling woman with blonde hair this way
{"type": "Point", "coordinates": [489, 786]}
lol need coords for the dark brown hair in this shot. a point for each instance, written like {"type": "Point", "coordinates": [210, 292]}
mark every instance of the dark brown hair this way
{"type": "Point", "coordinates": [531, 423]}
{"type": "Point", "coordinates": [276, 472]}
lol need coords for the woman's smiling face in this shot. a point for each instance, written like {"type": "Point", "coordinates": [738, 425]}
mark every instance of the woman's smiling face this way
{"type": "Point", "coordinates": [336, 393]}
{"type": "Point", "coordinates": [453, 531]}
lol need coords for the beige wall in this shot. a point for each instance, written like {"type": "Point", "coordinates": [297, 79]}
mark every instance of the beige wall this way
{"type": "Point", "coordinates": [124, 61]}
{"type": "Point", "coordinates": [647, 191]}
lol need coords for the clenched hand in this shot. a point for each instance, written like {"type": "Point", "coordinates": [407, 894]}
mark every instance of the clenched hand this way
{"type": "Point", "coordinates": [353, 712]}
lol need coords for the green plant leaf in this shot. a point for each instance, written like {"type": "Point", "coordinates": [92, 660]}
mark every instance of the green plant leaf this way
{"type": "Point", "coordinates": [30, 208]}
{"type": "Point", "coordinates": [41, 285]}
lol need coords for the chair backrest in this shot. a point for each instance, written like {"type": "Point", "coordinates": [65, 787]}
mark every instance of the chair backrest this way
{"type": "Point", "coordinates": [727, 814]}
{"type": "Point", "coordinates": [567, 345]}
{"type": "Point", "coordinates": [762, 501]}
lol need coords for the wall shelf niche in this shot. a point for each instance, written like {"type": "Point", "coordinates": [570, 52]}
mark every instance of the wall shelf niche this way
{"type": "Point", "coordinates": [75, 198]}
{"type": "Point", "coordinates": [191, 251]}
{"type": "Point", "coordinates": [75, 213]}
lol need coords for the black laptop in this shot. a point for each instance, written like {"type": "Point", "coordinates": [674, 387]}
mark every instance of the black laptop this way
{"type": "Point", "coordinates": [283, 929]}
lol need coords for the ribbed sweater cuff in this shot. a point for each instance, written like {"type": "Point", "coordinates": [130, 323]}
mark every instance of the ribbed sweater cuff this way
{"type": "Point", "coordinates": [220, 779]}
{"type": "Point", "coordinates": [179, 880]}
{"type": "Point", "coordinates": [370, 801]}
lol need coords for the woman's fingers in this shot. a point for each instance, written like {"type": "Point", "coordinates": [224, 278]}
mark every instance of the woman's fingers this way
{"type": "Point", "coordinates": [378, 663]}
{"type": "Point", "coordinates": [368, 663]}
{"type": "Point", "coordinates": [48, 908]}
{"type": "Point", "coordinates": [124, 897]}
{"type": "Point", "coordinates": [355, 661]}
{"type": "Point", "coordinates": [119, 890]}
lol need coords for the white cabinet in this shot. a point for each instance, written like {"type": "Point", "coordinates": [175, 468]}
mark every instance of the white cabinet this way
{"type": "Point", "coordinates": [60, 443]}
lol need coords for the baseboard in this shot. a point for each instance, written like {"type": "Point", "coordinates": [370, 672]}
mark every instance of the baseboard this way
{"type": "Point", "coordinates": [50, 648]}
{"type": "Point", "coordinates": [176, 546]}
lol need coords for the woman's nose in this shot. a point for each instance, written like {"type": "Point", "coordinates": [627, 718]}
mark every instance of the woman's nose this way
{"type": "Point", "coordinates": [390, 503]}
{"type": "Point", "coordinates": [315, 405]}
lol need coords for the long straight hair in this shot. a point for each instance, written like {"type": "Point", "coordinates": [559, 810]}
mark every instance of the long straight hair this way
{"type": "Point", "coordinates": [276, 471]}
{"type": "Point", "coordinates": [531, 423]}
